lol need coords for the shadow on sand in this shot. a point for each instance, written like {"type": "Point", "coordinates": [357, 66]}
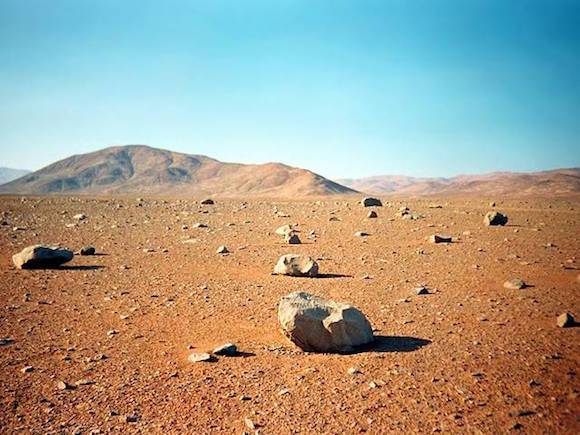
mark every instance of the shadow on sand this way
{"type": "Point", "coordinates": [79, 267]}
{"type": "Point", "coordinates": [384, 343]}
{"type": "Point", "coordinates": [332, 275]}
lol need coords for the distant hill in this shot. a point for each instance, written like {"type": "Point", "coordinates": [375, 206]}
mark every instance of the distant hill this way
{"type": "Point", "coordinates": [140, 169]}
{"type": "Point", "coordinates": [9, 174]}
{"type": "Point", "coordinates": [554, 182]}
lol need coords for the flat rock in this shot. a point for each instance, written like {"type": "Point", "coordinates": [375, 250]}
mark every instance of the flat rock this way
{"type": "Point", "coordinates": [435, 238]}
{"type": "Point", "coordinates": [296, 265]}
{"type": "Point", "coordinates": [371, 202]}
{"type": "Point", "coordinates": [292, 239]}
{"type": "Point", "coordinates": [514, 284]}
{"type": "Point", "coordinates": [200, 357]}
{"type": "Point", "coordinates": [318, 325]}
{"type": "Point", "coordinates": [284, 230]}
{"type": "Point", "coordinates": [40, 256]}
{"type": "Point", "coordinates": [222, 250]}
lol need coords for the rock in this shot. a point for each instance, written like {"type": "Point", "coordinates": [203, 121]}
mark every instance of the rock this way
{"type": "Point", "coordinates": [372, 214]}
{"type": "Point", "coordinates": [207, 201]}
{"type": "Point", "coordinates": [492, 204]}
{"type": "Point", "coordinates": [61, 385]}
{"type": "Point", "coordinates": [228, 349]}
{"type": "Point", "coordinates": [371, 202]}
{"type": "Point", "coordinates": [317, 325]}
{"type": "Point", "coordinates": [361, 234]}
{"type": "Point", "coordinates": [354, 371]}
{"type": "Point", "coordinates": [222, 250]}
{"type": "Point", "coordinates": [79, 217]}
{"type": "Point", "coordinates": [440, 239]}
{"type": "Point", "coordinates": [199, 225]}
{"type": "Point", "coordinates": [27, 369]}
{"type": "Point", "coordinates": [40, 256]}
{"type": "Point", "coordinates": [514, 284]}
{"type": "Point", "coordinates": [284, 230]}
{"type": "Point", "coordinates": [132, 418]}
{"type": "Point", "coordinates": [296, 265]}
{"type": "Point", "coordinates": [421, 290]}
{"type": "Point", "coordinates": [565, 320]}
{"type": "Point", "coordinates": [292, 239]}
{"type": "Point", "coordinates": [87, 250]}
{"type": "Point", "coordinates": [494, 218]}
{"type": "Point", "coordinates": [200, 357]}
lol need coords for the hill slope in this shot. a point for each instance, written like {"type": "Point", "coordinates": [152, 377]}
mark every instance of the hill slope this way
{"type": "Point", "coordinates": [555, 182]}
{"type": "Point", "coordinates": [140, 169]}
{"type": "Point", "coordinates": [9, 174]}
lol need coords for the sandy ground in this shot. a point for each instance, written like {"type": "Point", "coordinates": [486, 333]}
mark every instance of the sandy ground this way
{"type": "Point", "coordinates": [472, 357]}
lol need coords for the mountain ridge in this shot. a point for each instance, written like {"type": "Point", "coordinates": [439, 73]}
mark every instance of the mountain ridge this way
{"type": "Point", "coordinates": [141, 169]}
{"type": "Point", "coordinates": [562, 181]}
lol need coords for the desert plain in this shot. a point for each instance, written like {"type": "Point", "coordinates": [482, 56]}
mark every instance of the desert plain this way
{"type": "Point", "coordinates": [101, 344]}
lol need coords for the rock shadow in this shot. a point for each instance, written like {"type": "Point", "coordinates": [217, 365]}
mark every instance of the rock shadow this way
{"type": "Point", "coordinates": [79, 267]}
{"type": "Point", "coordinates": [332, 275]}
{"type": "Point", "coordinates": [384, 343]}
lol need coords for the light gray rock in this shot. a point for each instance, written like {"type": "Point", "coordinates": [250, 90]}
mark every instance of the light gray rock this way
{"type": "Point", "coordinates": [493, 218]}
{"type": "Point", "coordinates": [200, 357]}
{"type": "Point", "coordinates": [318, 325]}
{"type": "Point", "coordinates": [514, 284]}
{"type": "Point", "coordinates": [40, 256]}
{"type": "Point", "coordinates": [222, 250]}
{"type": "Point", "coordinates": [284, 230]}
{"type": "Point", "coordinates": [296, 265]}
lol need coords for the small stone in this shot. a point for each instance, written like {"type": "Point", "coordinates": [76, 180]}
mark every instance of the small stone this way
{"type": "Point", "coordinates": [87, 250]}
{"type": "Point", "coordinates": [439, 239]}
{"type": "Point", "coordinates": [61, 385]}
{"type": "Point", "coordinates": [421, 290]}
{"type": "Point", "coordinates": [27, 369]}
{"type": "Point", "coordinates": [296, 265]}
{"type": "Point", "coordinates": [292, 239]}
{"type": "Point", "coordinates": [514, 284]}
{"type": "Point", "coordinates": [222, 250]}
{"type": "Point", "coordinates": [565, 320]}
{"type": "Point", "coordinates": [207, 201]}
{"type": "Point", "coordinates": [200, 357]}
{"type": "Point", "coordinates": [228, 349]}
{"type": "Point", "coordinates": [354, 371]}
{"type": "Point", "coordinates": [249, 424]}
{"type": "Point", "coordinates": [361, 234]}
{"type": "Point", "coordinates": [132, 418]}
{"type": "Point", "coordinates": [372, 214]}
{"type": "Point", "coordinates": [79, 217]}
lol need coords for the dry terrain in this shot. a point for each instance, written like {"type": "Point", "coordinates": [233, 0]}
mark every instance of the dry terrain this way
{"type": "Point", "coordinates": [470, 357]}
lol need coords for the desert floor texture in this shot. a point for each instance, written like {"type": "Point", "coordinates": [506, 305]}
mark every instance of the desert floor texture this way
{"type": "Point", "coordinates": [118, 327]}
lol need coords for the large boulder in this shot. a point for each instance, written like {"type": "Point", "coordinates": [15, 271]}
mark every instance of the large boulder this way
{"type": "Point", "coordinates": [371, 202]}
{"type": "Point", "coordinates": [317, 325]}
{"type": "Point", "coordinates": [296, 265]}
{"type": "Point", "coordinates": [40, 257]}
{"type": "Point", "coordinates": [494, 218]}
{"type": "Point", "coordinates": [285, 230]}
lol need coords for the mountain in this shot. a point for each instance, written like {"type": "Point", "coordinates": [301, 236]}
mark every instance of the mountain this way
{"type": "Point", "coordinates": [554, 182]}
{"type": "Point", "coordinates": [9, 174]}
{"type": "Point", "coordinates": [140, 169]}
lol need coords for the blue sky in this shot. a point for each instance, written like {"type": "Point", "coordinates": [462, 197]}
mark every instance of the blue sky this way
{"type": "Point", "coordinates": [345, 88]}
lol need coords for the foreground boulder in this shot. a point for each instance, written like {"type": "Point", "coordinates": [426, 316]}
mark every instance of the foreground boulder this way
{"type": "Point", "coordinates": [296, 265]}
{"type": "Point", "coordinates": [40, 257]}
{"type": "Point", "coordinates": [494, 218]}
{"type": "Point", "coordinates": [317, 325]}
{"type": "Point", "coordinates": [371, 202]}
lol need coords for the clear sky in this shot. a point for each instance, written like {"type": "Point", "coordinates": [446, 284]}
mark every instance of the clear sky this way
{"type": "Point", "coordinates": [345, 88]}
